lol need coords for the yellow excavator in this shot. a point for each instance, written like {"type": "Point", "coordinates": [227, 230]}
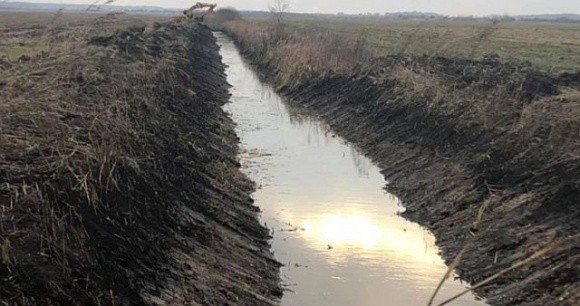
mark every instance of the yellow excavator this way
{"type": "Point", "coordinates": [190, 14]}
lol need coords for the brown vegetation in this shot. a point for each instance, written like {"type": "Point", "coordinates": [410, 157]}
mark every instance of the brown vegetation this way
{"type": "Point", "coordinates": [298, 57]}
{"type": "Point", "coordinates": [484, 151]}
{"type": "Point", "coordinates": [119, 182]}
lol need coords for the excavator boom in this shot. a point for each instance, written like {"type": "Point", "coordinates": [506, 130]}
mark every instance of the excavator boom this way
{"type": "Point", "coordinates": [200, 5]}
{"type": "Point", "coordinates": [190, 13]}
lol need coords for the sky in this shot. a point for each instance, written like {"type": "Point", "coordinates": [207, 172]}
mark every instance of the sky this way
{"type": "Point", "coordinates": [446, 7]}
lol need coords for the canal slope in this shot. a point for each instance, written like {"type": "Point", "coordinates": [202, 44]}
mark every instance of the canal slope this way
{"type": "Point", "coordinates": [119, 178]}
{"type": "Point", "coordinates": [471, 151]}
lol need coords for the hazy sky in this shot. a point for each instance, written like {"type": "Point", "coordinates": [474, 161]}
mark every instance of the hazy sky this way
{"type": "Point", "coordinates": [448, 7]}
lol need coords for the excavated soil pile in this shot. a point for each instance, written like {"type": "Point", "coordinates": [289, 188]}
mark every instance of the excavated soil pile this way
{"type": "Point", "coordinates": [119, 182]}
{"type": "Point", "coordinates": [483, 153]}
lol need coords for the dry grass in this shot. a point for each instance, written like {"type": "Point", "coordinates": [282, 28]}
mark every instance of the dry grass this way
{"type": "Point", "coordinates": [31, 34]}
{"type": "Point", "coordinates": [74, 126]}
{"type": "Point", "coordinates": [118, 178]}
{"type": "Point", "coordinates": [552, 47]}
{"type": "Point", "coordinates": [536, 256]}
{"type": "Point", "coordinates": [299, 56]}
{"type": "Point", "coordinates": [555, 120]}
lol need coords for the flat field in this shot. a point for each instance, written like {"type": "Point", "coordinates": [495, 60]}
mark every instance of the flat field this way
{"type": "Point", "coordinates": [31, 33]}
{"type": "Point", "coordinates": [550, 46]}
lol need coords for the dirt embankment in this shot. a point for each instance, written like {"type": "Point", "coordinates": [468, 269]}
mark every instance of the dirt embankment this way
{"type": "Point", "coordinates": [484, 153]}
{"type": "Point", "coordinates": [119, 182]}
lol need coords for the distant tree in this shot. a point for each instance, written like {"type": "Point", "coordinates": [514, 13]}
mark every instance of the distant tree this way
{"type": "Point", "coordinates": [278, 8]}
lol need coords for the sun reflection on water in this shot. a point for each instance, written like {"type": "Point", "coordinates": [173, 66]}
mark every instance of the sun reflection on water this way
{"type": "Point", "coordinates": [345, 230]}
{"type": "Point", "coordinates": [387, 238]}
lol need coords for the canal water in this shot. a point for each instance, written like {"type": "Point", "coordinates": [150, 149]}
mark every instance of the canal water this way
{"type": "Point", "coordinates": [335, 229]}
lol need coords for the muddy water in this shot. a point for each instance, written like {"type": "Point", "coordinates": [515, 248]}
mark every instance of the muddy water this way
{"type": "Point", "coordinates": [335, 228]}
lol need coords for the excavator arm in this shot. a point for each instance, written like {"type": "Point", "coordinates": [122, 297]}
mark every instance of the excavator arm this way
{"type": "Point", "coordinates": [200, 5]}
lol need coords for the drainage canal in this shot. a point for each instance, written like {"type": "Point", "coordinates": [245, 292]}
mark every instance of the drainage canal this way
{"type": "Point", "coordinates": [335, 229]}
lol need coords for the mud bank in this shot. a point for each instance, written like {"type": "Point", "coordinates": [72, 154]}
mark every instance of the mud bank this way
{"type": "Point", "coordinates": [483, 153]}
{"type": "Point", "coordinates": [119, 177]}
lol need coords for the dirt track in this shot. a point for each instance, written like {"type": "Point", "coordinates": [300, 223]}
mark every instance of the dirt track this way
{"type": "Point", "coordinates": [479, 151]}
{"type": "Point", "coordinates": [119, 182]}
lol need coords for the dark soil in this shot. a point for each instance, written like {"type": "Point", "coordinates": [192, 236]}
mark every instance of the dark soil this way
{"type": "Point", "coordinates": [482, 151]}
{"type": "Point", "coordinates": [119, 182]}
